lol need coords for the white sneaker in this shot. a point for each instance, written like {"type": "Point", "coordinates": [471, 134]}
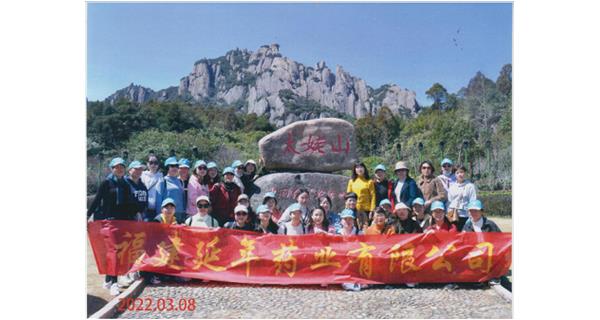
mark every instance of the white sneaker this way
{"type": "Point", "coordinates": [351, 286]}
{"type": "Point", "coordinates": [411, 284]}
{"type": "Point", "coordinates": [155, 280]}
{"type": "Point", "coordinates": [324, 285]}
{"type": "Point", "coordinates": [134, 276]}
{"type": "Point", "coordinates": [106, 285]}
{"type": "Point", "coordinates": [114, 289]}
{"type": "Point", "coordinates": [124, 281]}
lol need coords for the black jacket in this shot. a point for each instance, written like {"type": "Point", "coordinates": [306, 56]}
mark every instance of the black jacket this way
{"type": "Point", "coordinates": [407, 226]}
{"type": "Point", "coordinates": [271, 228]}
{"type": "Point", "coordinates": [140, 194]}
{"type": "Point", "coordinates": [234, 225]}
{"type": "Point", "coordinates": [488, 226]}
{"type": "Point", "coordinates": [114, 201]}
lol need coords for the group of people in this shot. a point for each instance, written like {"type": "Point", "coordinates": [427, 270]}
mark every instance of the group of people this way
{"type": "Point", "coordinates": [205, 197]}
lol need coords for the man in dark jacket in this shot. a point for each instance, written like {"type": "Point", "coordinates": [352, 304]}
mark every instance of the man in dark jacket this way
{"type": "Point", "coordinates": [404, 189]}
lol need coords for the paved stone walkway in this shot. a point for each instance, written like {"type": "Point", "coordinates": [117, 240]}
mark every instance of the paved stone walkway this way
{"type": "Point", "coordinates": [225, 300]}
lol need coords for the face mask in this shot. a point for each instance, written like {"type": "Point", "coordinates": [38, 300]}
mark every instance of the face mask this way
{"type": "Point", "coordinates": [448, 174]}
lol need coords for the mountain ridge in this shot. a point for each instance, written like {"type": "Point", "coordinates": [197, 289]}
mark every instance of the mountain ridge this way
{"type": "Point", "coordinates": [254, 82]}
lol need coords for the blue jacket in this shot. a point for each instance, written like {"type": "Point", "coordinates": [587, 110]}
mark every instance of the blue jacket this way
{"type": "Point", "coordinates": [410, 191]}
{"type": "Point", "coordinates": [171, 187]}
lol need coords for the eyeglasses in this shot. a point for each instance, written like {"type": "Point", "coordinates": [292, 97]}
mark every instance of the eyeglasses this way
{"type": "Point", "coordinates": [203, 206]}
{"type": "Point", "coordinates": [241, 167]}
{"type": "Point", "coordinates": [241, 213]}
{"type": "Point", "coordinates": [202, 168]}
{"type": "Point", "coordinates": [447, 166]}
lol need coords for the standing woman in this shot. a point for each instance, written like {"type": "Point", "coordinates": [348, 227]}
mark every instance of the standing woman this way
{"type": "Point", "coordinates": [448, 177]}
{"type": "Point", "coordinates": [404, 188]}
{"type": "Point", "coordinates": [439, 220]}
{"type": "Point", "coordinates": [213, 175]}
{"type": "Point", "coordinates": [383, 186]}
{"type": "Point", "coordinates": [431, 187]}
{"type": "Point", "coordinates": [461, 193]}
{"type": "Point", "coordinates": [197, 187]}
{"type": "Point", "coordinates": [113, 201]}
{"type": "Point", "coordinates": [365, 190]}
{"type": "Point", "coordinates": [151, 178]}
{"type": "Point", "coordinates": [270, 201]}
{"type": "Point", "coordinates": [138, 188]}
{"type": "Point", "coordinates": [184, 177]}
{"type": "Point", "coordinates": [171, 187]}
{"type": "Point", "coordinates": [248, 177]}
{"type": "Point", "coordinates": [238, 171]}
{"type": "Point", "coordinates": [224, 197]}
{"type": "Point", "coordinates": [302, 196]}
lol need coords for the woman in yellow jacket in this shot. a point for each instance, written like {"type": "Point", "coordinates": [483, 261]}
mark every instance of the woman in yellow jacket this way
{"type": "Point", "coordinates": [365, 189]}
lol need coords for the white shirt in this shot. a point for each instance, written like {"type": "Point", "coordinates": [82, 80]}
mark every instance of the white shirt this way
{"type": "Point", "coordinates": [291, 230]}
{"type": "Point", "coordinates": [459, 196]}
{"type": "Point", "coordinates": [151, 180]}
{"type": "Point", "coordinates": [477, 225]}
{"type": "Point", "coordinates": [399, 189]}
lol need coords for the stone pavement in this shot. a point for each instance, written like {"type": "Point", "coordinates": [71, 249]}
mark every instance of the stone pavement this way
{"type": "Point", "coordinates": [228, 300]}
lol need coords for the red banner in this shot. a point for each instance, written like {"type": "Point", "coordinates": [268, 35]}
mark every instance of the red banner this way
{"type": "Point", "coordinates": [245, 257]}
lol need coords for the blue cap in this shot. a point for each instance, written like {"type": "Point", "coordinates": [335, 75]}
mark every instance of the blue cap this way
{"type": "Point", "coordinates": [183, 162]}
{"type": "Point", "coordinates": [269, 194]}
{"type": "Point", "coordinates": [347, 213]}
{"type": "Point", "coordinates": [135, 165]}
{"type": "Point", "coordinates": [446, 161]}
{"type": "Point", "coordinates": [418, 201]}
{"type": "Point", "coordinates": [262, 208]}
{"type": "Point", "coordinates": [380, 167]}
{"type": "Point", "coordinates": [116, 161]}
{"type": "Point", "coordinates": [228, 170]}
{"type": "Point", "coordinates": [385, 201]}
{"type": "Point", "coordinates": [236, 164]}
{"type": "Point", "coordinates": [294, 207]}
{"type": "Point", "coordinates": [211, 165]}
{"type": "Point", "coordinates": [166, 202]}
{"type": "Point", "coordinates": [476, 204]}
{"type": "Point", "coordinates": [171, 161]}
{"type": "Point", "coordinates": [199, 163]}
{"type": "Point", "coordinates": [437, 205]}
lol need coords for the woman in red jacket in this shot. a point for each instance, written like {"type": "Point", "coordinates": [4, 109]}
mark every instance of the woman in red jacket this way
{"type": "Point", "coordinates": [223, 197]}
{"type": "Point", "coordinates": [439, 221]}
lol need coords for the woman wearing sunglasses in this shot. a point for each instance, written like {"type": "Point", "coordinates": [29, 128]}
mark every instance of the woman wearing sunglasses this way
{"type": "Point", "coordinates": [198, 186]}
{"type": "Point", "coordinates": [431, 187]}
{"type": "Point", "coordinates": [151, 178]}
{"type": "Point", "coordinates": [240, 221]}
{"type": "Point", "coordinates": [203, 217]}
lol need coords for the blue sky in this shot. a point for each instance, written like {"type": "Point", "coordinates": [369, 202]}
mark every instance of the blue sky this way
{"type": "Point", "coordinates": [411, 45]}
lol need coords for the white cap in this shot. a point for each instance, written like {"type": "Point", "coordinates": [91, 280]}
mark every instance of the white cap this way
{"type": "Point", "coordinates": [400, 205]}
{"type": "Point", "coordinates": [239, 208]}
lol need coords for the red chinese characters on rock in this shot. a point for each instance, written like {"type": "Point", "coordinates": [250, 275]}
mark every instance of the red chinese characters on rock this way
{"type": "Point", "coordinates": [316, 144]}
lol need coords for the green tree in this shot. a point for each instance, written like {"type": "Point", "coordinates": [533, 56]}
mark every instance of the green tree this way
{"type": "Point", "coordinates": [438, 94]}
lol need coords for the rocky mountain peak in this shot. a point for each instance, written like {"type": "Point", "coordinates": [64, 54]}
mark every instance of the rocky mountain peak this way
{"type": "Point", "coordinates": [254, 82]}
